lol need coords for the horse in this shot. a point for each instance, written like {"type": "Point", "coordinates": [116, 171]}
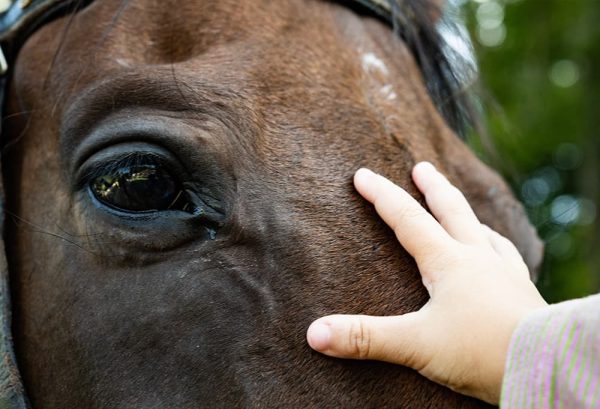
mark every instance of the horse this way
{"type": "Point", "coordinates": [179, 202]}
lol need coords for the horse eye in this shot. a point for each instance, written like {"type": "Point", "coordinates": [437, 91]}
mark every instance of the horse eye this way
{"type": "Point", "coordinates": [141, 188]}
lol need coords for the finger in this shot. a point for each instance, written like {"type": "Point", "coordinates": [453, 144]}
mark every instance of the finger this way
{"type": "Point", "coordinates": [507, 250]}
{"type": "Point", "coordinates": [448, 204]}
{"type": "Point", "coordinates": [501, 244]}
{"type": "Point", "coordinates": [418, 232]}
{"type": "Point", "coordinates": [391, 339]}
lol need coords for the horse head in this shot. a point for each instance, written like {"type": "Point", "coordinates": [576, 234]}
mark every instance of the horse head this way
{"type": "Point", "coordinates": [180, 207]}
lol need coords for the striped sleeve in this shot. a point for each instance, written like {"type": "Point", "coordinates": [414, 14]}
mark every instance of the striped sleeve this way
{"type": "Point", "coordinates": [554, 358]}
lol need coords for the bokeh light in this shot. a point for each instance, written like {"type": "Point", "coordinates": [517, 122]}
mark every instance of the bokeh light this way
{"type": "Point", "coordinates": [564, 73]}
{"type": "Point", "coordinates": [540, 69]}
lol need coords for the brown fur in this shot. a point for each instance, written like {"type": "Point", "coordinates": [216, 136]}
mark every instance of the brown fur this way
{"type": "Point", "coordinates": [267, 105]}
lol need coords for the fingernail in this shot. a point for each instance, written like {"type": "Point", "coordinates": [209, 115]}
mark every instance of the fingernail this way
{"type": "Point", "coordinates": [318, 336]}
{"type": "Point", "coordinates": [425, 166]}
{"type": "Point", "coordinates": [364, 176]}
{"type": "Point", "coordinates": [366, 173]}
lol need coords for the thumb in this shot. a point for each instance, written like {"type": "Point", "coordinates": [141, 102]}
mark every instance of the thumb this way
{"type": "Point", "coordinates": [395, 339]}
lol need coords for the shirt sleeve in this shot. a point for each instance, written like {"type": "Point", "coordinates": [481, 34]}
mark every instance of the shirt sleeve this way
{"type": "Point", "coordinates": [554, 358]}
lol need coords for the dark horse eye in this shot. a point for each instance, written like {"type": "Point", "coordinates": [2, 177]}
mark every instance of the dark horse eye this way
{"type": "Point", "coordinates": [139, 188]}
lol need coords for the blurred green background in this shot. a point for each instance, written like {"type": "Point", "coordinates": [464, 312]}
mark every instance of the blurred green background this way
{"type": "Point", "coordinates": [540, 69]}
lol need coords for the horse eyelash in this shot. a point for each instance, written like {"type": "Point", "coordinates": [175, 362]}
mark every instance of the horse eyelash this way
{"type": "Point", "coordinates": [112, 166]}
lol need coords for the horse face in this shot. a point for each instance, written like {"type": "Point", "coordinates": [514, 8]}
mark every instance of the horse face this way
{"type": "Point", "coordinates": [180, 175]}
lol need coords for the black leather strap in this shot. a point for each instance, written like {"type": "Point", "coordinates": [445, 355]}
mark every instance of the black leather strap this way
{"type": "Point", "coordinates": [23, 17]}
{"type": "Point", "coordinates": [383, 8]}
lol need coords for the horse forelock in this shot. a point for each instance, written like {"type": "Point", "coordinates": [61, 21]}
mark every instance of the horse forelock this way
{"type": "Point", "coordinates": [442, 47]}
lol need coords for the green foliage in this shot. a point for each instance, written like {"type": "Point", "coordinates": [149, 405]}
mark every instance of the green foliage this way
{"type": "Point", "coordinates": [539, 62]}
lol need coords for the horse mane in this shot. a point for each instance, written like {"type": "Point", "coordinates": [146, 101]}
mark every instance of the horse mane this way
{"type": "Point", "coordinates": [438, 39]}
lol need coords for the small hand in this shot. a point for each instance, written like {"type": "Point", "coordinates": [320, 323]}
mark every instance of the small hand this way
{"type": "Point", "coordinates": [478, 284]}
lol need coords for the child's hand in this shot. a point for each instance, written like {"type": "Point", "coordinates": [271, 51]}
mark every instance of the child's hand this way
{"type": "Point", "coordinates": [478, 284]}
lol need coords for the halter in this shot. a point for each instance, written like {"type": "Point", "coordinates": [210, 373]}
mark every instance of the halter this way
{"type": "Point", "coordinates": [18, 20]}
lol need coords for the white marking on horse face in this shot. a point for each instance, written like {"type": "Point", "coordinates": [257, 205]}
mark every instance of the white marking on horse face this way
{"type": "Point", "coordinates": [123, 62]}
{"type": "Point", "coordinates": [379, 89]}
{"type": "Point", "coordinates": [387, 91]}
{"type": "Point", "coordinates": [371, 62]}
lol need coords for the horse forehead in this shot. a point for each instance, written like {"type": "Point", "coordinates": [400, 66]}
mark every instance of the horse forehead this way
{"type": "Point", "coordinates": [123, 34]}
{"type": "Point", "coordinates": [290, 55]}
{"type": "Point", "coordinates": [159, 30]}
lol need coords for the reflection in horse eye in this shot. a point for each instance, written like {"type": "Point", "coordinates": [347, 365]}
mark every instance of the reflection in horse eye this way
{"type": "Point", "coordinates": [140, 188]}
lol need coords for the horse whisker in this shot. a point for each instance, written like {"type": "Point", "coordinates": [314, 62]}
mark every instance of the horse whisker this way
{"type": "Point", "coordinates": [39, 229]}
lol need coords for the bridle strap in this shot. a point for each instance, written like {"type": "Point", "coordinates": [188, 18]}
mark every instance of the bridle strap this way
{"type": "Point", "coordinates": [381, 7]}
{"type": "Point", "coordinates": [23, 17]}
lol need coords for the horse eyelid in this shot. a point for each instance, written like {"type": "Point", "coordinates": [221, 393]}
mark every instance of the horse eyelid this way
{"type": "Point", "coordinates": [110, 166]}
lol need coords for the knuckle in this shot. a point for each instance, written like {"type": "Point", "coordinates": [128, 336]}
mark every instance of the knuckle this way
{"type": "Point", "coordinates": [443, 185]}
{"type": "Point", "coordinates": [359, 340]}
{"type": "Point", "coordinates": [430, 255]}
{"type": "Point", "coordinates": [509, 244]}
{"type": "Point", "coordinates": [444, 206]}
{"type": "Point", "coordinates": [402, 215]}
{"type": "Point", "coordinates": [451, 259]}
{"type": "Point", "coordinates": [403, 212]}
{"type": "Point", "coordinates": [450, 196]}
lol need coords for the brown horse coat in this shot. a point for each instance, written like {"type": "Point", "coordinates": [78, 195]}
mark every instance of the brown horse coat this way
{"type": "Point", "coordinates": [266, 109]}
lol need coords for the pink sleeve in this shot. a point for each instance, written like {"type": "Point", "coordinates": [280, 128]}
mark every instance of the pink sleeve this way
{"type": "Point", "coordinates": [554, 358]}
